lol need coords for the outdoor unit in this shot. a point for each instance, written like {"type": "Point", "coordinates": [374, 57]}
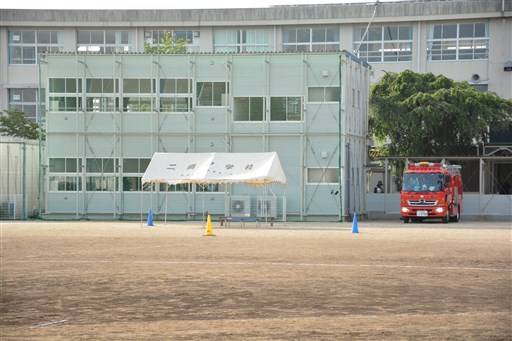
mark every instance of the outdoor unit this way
{"type": "Point", "coordinates": [267, 207]}
{"type": "Point", "coordinates": [240, 206]}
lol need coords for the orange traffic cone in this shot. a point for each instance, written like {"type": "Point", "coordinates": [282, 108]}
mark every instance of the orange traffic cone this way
{"type": "Point", "coordinates": [209, 231]}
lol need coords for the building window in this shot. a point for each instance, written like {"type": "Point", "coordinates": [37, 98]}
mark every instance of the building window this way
{"type": "Point", "coordinates": [64, 94]}
{"type": "Point", "coordinates": [25, 45]}
{"type": "Point", "coordinates": [141, 101]}
{"type": "Point", "coordinates": [323, 176]}
{"type": "Point", "coordinates": [174, 188]}
{"type": "Point", "coordinates": [212, 94]}
{"type": "Point", "coordinates": [384, 43]}
{"type": "Point", "coordinates": [247, 40]}
{"type": "Point", "coordinates": [65, 165]}
{"type": "Point", "coordinates": [104, 180]}
{"type": "Point", "coordinates": [458, 41]}
{"type": "Point", "coordinates": [248, 109]}
{"type": "Point", "coordinates": [132, 174]}
{"type": "Point", "coordinates": [24, 100]}
{"type": "Point", "coordinates": [311, 39]}
{"type": "Point", "coordinates": [323, 94]}
{"type": "Point", "coordinates": [210, 188]}
{"type": "Point", "coordinates": [155, 37]}
{"type": "Point", "coordinates": [100, 94]}
{"type": "Point", "coordinates": [175, 95]}
{"type": "Point", "coordinates": [101, 183]}
{"type": "Point", "coordinates": [101, 165]}
{"type": "Point", "coordinates": [285, 109]}
{"type": "Point", "coordinates": [103, 41]}
{"type": "Point", "coordinates": [65, 182]}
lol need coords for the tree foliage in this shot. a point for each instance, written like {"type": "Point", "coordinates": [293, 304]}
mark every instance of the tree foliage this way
{"type": "Point", "coordinates": [168, 44]}
{"type": "Point", "coordinates": [428, 115]}
{"type": "Point", "coordinates": [15, 123]}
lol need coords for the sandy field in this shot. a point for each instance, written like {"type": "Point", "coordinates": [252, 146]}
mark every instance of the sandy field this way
{"type": "Point", "coordinates": [85, 280]}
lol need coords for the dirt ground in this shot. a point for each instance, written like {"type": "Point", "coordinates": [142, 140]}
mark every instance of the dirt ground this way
{"type": "Point", "coordinates": [293, 281]}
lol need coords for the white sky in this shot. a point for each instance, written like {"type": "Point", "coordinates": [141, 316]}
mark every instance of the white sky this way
{"type": "Point", "coordinates": [163, 4]}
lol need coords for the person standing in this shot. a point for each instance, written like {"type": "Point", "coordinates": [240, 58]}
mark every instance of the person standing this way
{"type": "Point", "coordinates": [379, 188]}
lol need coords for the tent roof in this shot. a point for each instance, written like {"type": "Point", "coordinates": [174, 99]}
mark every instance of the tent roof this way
{"type": "Point", "coordinates": [208, 168]}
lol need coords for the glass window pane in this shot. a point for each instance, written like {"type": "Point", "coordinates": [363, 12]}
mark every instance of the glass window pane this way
{"type": "Point", "coordinates": [278, 108]}
{"type": "Point", "coordinates": [110, 37]}
{"type": "Point", "coordinates": [182, 86]}
{"type": "Point", "coordinates": [145, 86]}
{"type": "Point", "coordinates": [29, 54]}
{"type": "Point", "coordinates": [108, 85]}
{"type": "Point", "coordinates": [449, 31]}
{"type": "Point", "coordinates": [390, 33]}
{"type": "Point", "coordinates": [71, 165]}
{"type": "Point", "coordinates": [481, 30]}
{"type": "Point", "coordinates": [43, 37]}
{"type": "Point", "coordinates": [405, 33]}
{"type": "Point", "coordinates": [316, 94]}
{"type": "Point", "coordinates": [256, 109]}
{"type": "Point", "coordinates": [466, 30]}
{"type": "Point", "coordinates": [290, 35]}
{"type": "Point", "coordinates": [71, 85]}
{"type": "Point", "coordinates": [57, 85]}
{"type": "Point", "coordinates": [332, 94]}
{"type": "Point", "coordinates": [219, 92]}
{"type": "Point", "coordinates": [131, 165]}
{"type": "Point", "coordinates": [131, 85]}
{"type": "Point", "coordinates": [318, 35]}
{"type": "Point", "coordinates": [57, 165]}
{"type": "Point", "coordinates": [28, 37]}
{"type": "Point", "coordinates": [97, 37]}
{"type": "Point", "coordinates": [241, 108]}
{"type": "Point", "coordinates": [303, 35]}
{"type": "Point", "coordinates": [84, 37]}
{"type": "Point", "coordinates": [29, 95]}
{"type": "Point", "coordinates": [375, 34]}
{"type": "Point", "coordinates": [167, 86]}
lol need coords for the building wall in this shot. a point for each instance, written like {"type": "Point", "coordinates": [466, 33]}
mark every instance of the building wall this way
{"type": "Point", "coordinates": [306, 144]}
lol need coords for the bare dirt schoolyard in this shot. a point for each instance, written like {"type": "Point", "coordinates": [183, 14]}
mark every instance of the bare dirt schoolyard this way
{"type": "Point", "coordinates": [293, 281]}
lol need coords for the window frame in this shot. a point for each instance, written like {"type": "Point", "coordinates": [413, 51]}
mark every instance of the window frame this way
{"type": "Point", "coordinates": [302, 39]}
{"type": "Point", "coordinates": [37, 46]}
{"type": "Point", "coordinates": [381, 40]}
{"type": "Point", "coordinates": [450, 48]}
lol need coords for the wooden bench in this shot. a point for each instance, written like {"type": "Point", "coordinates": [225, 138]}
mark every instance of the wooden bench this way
{"type": "Point", "coordinates": [244, 220]}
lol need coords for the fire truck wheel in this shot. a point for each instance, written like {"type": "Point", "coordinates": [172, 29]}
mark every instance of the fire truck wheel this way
{"type": "Point", "coordinates": [406, 220]}
{"type": "Point", "coordinates": [456, 217]}
{"type": "Point", "coordinates": [446, 218]}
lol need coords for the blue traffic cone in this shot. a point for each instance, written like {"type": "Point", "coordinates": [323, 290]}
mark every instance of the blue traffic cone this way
{"type": "Point", "coordinates": [355, 229]}
{"type": "Point", "coordinates": [150, 218]}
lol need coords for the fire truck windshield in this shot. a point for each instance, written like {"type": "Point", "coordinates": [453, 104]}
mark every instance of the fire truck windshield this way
{"type": "Point", "coordinates": [423, 182]}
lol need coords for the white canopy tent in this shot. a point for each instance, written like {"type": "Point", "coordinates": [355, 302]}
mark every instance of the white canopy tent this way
{"type": "Point", "coordinates": [257, 169]}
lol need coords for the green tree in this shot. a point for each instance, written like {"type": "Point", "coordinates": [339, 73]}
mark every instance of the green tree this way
{"type": "Point", "coordinates": [168, 44]}
{"type": "Point", "coordinates": [428, 115]}
{"type": "Point", "coordinates": [16, 123]}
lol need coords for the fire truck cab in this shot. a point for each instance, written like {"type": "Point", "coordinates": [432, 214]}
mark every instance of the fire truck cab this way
{"type": "Point", "coordinates": [431, 190]}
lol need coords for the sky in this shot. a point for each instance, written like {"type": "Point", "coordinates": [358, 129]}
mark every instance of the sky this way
{"type": "Point", "coordinates": [163, 4]}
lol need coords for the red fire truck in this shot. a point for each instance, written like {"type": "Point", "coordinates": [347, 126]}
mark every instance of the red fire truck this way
{"type": "Point", "coordinates": [431, 190]}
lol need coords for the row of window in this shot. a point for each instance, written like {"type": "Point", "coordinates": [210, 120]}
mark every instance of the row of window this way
{"type": "Point", "coordinates": [104, 180]}
{"type": "Point", "coordinates": [174, 96]}
{"type": "Point", "coordinates": [65, 95]}
{"type": "Point", "coordinates": [377, 44]}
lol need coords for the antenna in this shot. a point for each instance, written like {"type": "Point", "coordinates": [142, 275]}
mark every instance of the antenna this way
{"type": "Point", "coordinates": [367, 27]}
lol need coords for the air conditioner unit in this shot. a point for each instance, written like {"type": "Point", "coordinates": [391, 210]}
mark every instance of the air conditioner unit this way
{"type": "Point", "coordinates": [240, 206]}
{"type": "Point", "coordinates": [267, 207]}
